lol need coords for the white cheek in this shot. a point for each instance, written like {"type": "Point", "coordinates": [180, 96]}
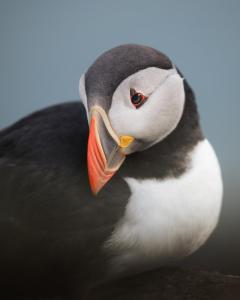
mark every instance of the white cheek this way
{"type": "Point", "coordinates": [165, 109]}
{"type": "Point", "coordinates": [156, 118]}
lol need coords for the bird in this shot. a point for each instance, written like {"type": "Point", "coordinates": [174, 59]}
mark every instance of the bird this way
{"type": "Point", "coordinates": [118, 183]}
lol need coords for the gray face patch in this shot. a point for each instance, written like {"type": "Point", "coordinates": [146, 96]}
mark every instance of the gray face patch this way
{"type": "Point", "coordinates": [112, 67]}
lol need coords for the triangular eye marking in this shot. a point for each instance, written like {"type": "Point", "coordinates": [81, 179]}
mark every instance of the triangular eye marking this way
{"type": "Point", "coordinates": [132, 92]}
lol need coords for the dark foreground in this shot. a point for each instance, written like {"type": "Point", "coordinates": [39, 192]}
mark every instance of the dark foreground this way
{"type": "Point", "coordinates": [171, 284]}
{"type": "Point", "coordinates": [163, 284]}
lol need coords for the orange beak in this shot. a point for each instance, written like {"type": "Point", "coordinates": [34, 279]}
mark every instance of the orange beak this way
{"type": "Point", "coordinates": [105, 152]}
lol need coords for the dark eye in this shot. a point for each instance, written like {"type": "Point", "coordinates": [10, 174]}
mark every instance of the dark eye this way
{"type": "Point", "coordinates": [137, 99]}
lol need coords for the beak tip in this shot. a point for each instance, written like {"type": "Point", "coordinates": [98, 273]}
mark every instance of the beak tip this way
{"type": "Point", "coordinates": [93, 183]}
{"type": "Point", "coordinates": [95, 193]}
{"type": "Point", "coordinates": [94, 190]}
{"type": "Point", "coordinates": [98, 181]}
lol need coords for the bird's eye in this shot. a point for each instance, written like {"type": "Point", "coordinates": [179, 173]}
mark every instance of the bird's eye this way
{"type": "Point", "coordinates": [137, 99]}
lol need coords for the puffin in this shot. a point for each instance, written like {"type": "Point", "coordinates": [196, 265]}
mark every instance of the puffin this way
{"type": "Point", "coordinates": [118, 183]}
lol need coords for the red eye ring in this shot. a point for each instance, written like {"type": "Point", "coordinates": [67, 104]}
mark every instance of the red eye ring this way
{"type": "Point", "coordinates": [137, 99]}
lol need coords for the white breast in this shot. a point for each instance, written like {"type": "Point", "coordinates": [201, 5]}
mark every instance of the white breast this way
{"type": "Point", "coordinates": [171, 218]}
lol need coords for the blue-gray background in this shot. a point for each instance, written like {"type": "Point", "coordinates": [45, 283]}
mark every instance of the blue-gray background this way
{"type": "Point", "coordinates": [46, 46]}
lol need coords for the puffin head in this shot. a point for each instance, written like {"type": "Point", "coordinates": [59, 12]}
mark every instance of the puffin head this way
{"type": "Point", "coordinates": [134, 98]}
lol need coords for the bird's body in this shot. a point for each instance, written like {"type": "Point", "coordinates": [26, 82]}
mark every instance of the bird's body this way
{"type": "Point", "coordinates": [161, 205]}
{"type": "Point", "coordinates": [51, 224]}
{"type": "Point", "coordinates": [170, 218]}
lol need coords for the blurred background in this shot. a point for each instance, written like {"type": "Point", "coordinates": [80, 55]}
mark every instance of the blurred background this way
{"type": "Point", "coordinates": [47, 45]}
